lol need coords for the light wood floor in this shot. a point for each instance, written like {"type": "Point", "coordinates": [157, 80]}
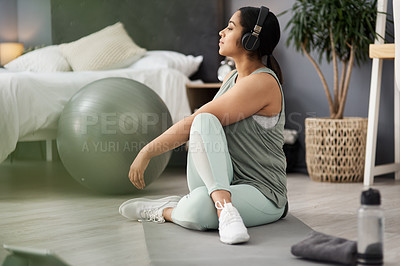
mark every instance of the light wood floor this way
{"type": "Point", "coordinates": [42, 207]}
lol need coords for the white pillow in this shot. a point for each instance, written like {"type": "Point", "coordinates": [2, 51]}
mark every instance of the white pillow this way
{"type": "Point", "coordinates": [109, 48]}
{"type": "Point", "coordinates": [186, 64]}
{"type": "Point", "coordinates": [47, 59]}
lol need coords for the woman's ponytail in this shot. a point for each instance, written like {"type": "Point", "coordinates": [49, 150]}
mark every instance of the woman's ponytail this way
{"type": "Point", "coordinates": [274, 66]}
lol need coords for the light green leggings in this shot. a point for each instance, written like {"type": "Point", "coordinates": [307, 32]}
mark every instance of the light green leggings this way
{"type": "Point", "coordinates": [209, 168]}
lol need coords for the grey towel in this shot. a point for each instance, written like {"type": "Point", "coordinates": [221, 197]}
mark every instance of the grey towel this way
{"type": "Point", "coordinates": [321, 247]}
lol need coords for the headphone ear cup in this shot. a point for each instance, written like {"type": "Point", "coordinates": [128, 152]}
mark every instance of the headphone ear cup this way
{"type": "Point", "coordinates": [250, 42]}
{"type": "Point", "coordinates": [245, 38]}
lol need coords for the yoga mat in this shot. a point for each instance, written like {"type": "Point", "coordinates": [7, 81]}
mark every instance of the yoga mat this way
{"type": "Point", "coordinates": [171, 244]}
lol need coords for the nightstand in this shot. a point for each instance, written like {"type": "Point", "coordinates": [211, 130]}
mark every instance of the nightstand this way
{"type": "Point", "coordinates": [200, 94]}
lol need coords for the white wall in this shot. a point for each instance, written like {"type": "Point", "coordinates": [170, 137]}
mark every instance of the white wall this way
{"type": "Point", "coordinates": [8, 21]}
{"type": "Point", "coordinates": [34, 22]}
{"type": "Point", "coordinates": [26, 21]}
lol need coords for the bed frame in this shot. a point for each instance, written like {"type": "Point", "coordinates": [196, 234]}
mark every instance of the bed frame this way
{"type": "Point", "coordinates": [47, 135]}
{"type": "Point", "coordinates": [189, 27]}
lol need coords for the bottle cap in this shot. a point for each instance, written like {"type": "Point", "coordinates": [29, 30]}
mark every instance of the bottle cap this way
{"type": "Point", "coordinates": [371, 197]}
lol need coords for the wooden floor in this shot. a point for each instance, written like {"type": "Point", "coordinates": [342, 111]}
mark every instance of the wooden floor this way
{"type": "Point", "coordinates": [41, 206]}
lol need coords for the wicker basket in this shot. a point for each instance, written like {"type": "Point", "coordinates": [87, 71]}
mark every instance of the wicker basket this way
{"type": "Point", "coordinates": [335, 149]}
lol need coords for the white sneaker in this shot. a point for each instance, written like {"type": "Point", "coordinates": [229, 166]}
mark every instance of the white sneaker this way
{"type": "Point", "coordinates": [142, 209]}
{"type": "Point", "coordinates": [231, 227]}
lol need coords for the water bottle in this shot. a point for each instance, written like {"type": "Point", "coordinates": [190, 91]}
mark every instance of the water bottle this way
{"type": "Point", "coordinates": [370, 229]}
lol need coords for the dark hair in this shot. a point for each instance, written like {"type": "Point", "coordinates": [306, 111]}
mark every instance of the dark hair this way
{"type": "Point", "coordinates": [269, 36]}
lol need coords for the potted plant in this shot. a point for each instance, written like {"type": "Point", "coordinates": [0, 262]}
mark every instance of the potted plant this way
{"type": "Point", "coordinates": [340, 32]}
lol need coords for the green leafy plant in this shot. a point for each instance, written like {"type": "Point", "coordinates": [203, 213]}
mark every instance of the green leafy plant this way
{"type": "Point", "coordinates": [339, 31]}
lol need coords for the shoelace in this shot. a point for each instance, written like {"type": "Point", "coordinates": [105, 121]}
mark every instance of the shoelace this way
{"type": "Point", "coordinates": [229, 215]}
{"type": "Point", "coordinates": [152, 216]}
{"type": "Point", "coordinates": [219, 205]}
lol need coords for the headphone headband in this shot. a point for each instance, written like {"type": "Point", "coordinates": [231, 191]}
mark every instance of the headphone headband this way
{"type": "Point", "coordinates": [262, 15]}
{"type": "Point", "coordinates": [250, 40]}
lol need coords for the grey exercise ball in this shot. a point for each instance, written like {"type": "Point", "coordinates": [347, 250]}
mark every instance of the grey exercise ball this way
{"type": "Point", "coordinates": [102, 129]}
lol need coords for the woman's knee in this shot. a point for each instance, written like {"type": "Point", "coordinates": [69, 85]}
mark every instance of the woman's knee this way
{"type": "Point", "coordinates": [204, 122]}
{"type": "Point", "coordinates": [196, 211]}
{"type": "Point", "coordinates": [208, 130]}
{"type": "Point", "coordinates": [205, 117]}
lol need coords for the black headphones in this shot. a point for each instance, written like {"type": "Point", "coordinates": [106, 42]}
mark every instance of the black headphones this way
{"type": "Point", "coordinates": [250, 40]}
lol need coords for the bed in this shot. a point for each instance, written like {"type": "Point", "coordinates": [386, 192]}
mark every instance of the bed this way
{"type": "Point", "coordinates": [31, 102]}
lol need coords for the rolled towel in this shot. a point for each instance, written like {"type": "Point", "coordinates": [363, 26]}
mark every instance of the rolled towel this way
{"type": "Point", "coordinates": [322, 247]}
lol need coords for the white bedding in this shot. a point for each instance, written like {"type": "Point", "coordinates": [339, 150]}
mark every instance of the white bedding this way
{"type": "Point", "coordinates": [34, 101]}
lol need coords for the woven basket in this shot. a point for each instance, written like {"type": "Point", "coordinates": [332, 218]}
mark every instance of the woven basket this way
{"type": "Point", "coordinates": [335, 149]}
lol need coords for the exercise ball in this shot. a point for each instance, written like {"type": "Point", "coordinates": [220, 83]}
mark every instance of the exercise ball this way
{"type": "Point", "coordinates": [102, 129]}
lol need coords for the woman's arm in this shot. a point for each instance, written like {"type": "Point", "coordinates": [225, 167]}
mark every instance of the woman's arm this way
{"type": "Point", "coordinates": [173, 137]}
{"type": "Point", "coordinates": [249, 96]}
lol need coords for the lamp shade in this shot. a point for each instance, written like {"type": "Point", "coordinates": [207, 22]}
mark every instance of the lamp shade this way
{"type": "Point", "coordinates": [9, 51]}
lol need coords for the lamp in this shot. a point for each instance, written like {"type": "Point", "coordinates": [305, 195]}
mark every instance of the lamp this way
{"type": "Point", "coordinates": [9, 51]}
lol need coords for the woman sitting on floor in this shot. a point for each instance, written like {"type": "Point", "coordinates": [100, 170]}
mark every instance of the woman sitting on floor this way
{"type": "Point", "coordinates": [236, 164]}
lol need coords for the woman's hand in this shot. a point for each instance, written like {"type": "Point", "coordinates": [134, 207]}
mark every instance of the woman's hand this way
{"type": "Point", "coordinates": [173, 137]}
{"type": "Point", "coordinates": [136, 172]}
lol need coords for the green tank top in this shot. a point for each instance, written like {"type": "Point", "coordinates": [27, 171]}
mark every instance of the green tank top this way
{"type": "Point", "coordinates": [257, 152]}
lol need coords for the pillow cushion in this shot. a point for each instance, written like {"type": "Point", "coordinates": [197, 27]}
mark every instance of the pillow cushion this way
{"type": "Point", "coordinates": [109, 48]}
{"type": "Point", "coordinates": [186, 64]}
{"type": "Point", "coordinates": [47, 59]}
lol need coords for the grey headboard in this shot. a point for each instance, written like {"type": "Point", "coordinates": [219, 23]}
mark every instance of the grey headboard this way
{"type": "Point", "coordinates": [186, 26]}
